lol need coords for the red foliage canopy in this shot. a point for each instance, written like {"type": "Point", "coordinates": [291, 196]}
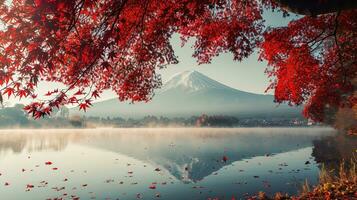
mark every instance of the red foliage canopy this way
{"type": "Point", "coordinates": [313, 61]}
{"type": "Point", "coordinates": [92, 46]}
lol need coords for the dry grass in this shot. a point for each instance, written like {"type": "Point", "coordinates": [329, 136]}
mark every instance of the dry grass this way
{"type": "Point", "coordinates": [332, 185]}
{"type": "Point", "coordinates": [341, 184]}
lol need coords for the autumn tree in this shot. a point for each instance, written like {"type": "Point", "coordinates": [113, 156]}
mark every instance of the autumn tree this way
{"type": "Point", "coordinates": [96, 45]}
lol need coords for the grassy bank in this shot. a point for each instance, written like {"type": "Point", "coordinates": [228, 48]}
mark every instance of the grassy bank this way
{"type": "Point", "coordinates": [337, 184]}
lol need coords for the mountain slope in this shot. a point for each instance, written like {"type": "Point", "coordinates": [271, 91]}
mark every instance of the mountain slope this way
{"type": "Point", "coordinates": [192, 93]}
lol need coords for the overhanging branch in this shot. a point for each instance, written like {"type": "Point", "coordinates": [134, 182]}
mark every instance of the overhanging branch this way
{"type": "Point", "coordinates": [316, 7]}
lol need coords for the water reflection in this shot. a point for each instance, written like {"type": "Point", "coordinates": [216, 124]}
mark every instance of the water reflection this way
{"type": "Point", "coordinates": [33, 141]}
{"type": "Point", "coordinates": [201, 151]}
{"type": "Point", "coordinates": [333, 150]}
{"type": "Point", "coordinates": [258, 159]}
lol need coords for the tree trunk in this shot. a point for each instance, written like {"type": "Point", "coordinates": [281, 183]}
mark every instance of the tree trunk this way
{"type": "Point", "coordinates": [316, 7]}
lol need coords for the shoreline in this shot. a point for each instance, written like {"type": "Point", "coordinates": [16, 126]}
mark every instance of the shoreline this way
{"type": "Point", "coordinates": [172, 127]}
{"type": "Point", "coordinates": [176, 130]}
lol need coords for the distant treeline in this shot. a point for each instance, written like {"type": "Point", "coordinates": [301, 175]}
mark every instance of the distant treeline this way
{"type": "Point", "coordinates": [16, 117]}
{"type": "Point", "coordinates": [194, 121]}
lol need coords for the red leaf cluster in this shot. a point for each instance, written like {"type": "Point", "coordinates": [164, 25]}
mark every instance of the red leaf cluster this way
{"type": "Point", "coordinates": [313, 61]}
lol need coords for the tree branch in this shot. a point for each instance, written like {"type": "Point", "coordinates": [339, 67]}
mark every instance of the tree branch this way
{"type": "Point", "coordinates": [316, 7]}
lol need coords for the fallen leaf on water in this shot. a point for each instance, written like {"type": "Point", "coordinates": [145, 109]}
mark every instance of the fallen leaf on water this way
{"type": "Point", "coordinates": [109, 181]}
{"type": "Point", "coordinates": [225, 158]}
{"type": "Point", "coordinates": [138, 196]}
{"type": "Point", "coordinates": [59, 189]}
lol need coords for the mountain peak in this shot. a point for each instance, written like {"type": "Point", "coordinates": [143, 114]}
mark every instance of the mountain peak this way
{"type": "Point", "coordinates": [191, 81]}
{"type": "Point", "coordinates": [189, 72]}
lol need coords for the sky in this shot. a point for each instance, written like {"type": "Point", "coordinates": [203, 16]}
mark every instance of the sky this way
{"type": "Point", "coordinates": [247, 75]}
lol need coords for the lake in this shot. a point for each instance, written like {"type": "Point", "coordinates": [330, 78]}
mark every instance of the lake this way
{"type": "Point", "coordinates": [168, 163]}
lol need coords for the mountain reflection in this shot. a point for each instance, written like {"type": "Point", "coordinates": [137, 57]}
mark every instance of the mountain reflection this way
{"type": "Point", "coordinates": [192, 154]}
{"type": "Point", "coordinates": [188, 154]}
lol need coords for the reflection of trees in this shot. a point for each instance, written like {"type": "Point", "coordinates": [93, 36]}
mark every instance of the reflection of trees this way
{"type": "Point", "coordinates": [14, 145]}
{"type": "Point", "coordinates": [330, 151]}
{"type": "Point", "coordinates": [18, 143]}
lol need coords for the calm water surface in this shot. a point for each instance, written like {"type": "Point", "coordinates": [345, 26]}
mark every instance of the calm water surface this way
{"type": "Point", "coordinates": [162, 163]}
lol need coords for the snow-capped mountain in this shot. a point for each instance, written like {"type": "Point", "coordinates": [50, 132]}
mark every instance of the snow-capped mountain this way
{"type": "Point", "coordinates": [192, 81]}
{"type": "Point", "coordinates": [192, 93]}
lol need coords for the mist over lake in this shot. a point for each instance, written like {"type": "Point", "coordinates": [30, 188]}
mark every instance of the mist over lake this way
{"type": "Point", "coordinates": [167, 163]}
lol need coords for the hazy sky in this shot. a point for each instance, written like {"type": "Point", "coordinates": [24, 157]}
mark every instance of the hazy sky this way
{"type": "Point", "coordinates": [247, 75]}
